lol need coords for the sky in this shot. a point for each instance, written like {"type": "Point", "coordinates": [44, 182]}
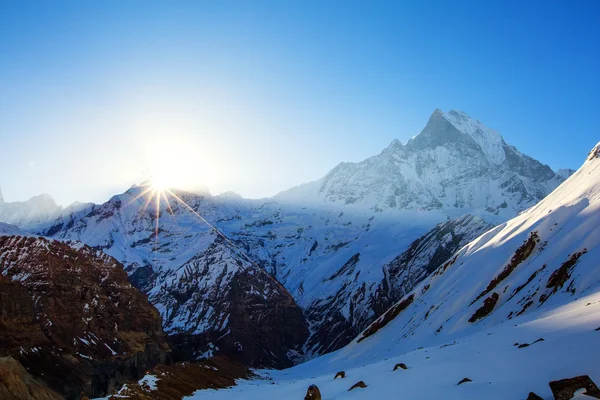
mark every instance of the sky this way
{"type": "Point", "coordinates": [259, 96]}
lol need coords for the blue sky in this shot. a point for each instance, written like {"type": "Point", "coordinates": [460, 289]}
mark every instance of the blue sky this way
{"type": "Point", "coordinates": [258, 96]}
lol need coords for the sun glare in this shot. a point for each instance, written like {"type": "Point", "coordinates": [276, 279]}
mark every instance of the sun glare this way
{"type": "Point", "coordinates": [159, 183]}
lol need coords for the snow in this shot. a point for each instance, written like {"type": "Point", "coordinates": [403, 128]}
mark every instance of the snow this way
{"type": "Point", "coordinates": [488, 139]}
{"type": "Point", "coordinates": [29, 214]}
{"type": "Point", "coordinates": [148, 382]}
{"type": "Point", "coordinates": [455, 165]}
{"type": "Point", "coordinates": [435, 338]}
{"type": "Point", "coordinates": [499, 370]}
{"type": "Point", "coordinates": [10, 230]}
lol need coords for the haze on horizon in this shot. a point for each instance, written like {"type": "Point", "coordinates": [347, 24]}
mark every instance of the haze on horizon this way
{"type": "Point", "coordinates": [259, 97]}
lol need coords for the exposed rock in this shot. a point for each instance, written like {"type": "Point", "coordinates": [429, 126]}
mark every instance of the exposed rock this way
{"type": "Point", "coordinates": [561, 275]}
{"type": "Point", "coordinates": [254, 319]}
{"type": "Point", "coordinates": [539, 340]}
{"type": "Point", "coordinates": [464, 380]}
{"type": "Point", "coordinates": [359, 384]}
{"type": "Point", "coordinates": [521, 254]}
{"type": "Point", "coordinates": [400, 365]}
{"type": "Point", "coordinates": [424, 256]}
{"type": "Point", "coordinates": [595, 153]}
{"type": "Point", "coordinates": [173, 382]}
{"type": "Point", "coordinates": [72, 319]}
{"type": "Point", "coordinates": [341, 374]}
{"type": "Point", "coordinates": [533, 396]}
{"type": "Point", "coordinates": [387, 317]}
{"type": "Point", "coordinates": [17, 384]}
{"type": "Point", "coordinates": [564, 389]}
{"type": "Point", "coordinates": [523, 345]}
{"type": "Point", "coordinates": [486, 308]}
{"type": "Point", "coordinates": [313, 393]}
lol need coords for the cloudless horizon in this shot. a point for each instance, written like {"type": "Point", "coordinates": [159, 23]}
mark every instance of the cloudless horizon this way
{"type": "Point", "coordinates": [257, 97]}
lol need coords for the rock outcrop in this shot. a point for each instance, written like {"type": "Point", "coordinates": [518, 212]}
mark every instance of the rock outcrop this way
{"type": "Point", "coordinates": [17, 384]}
{"type": "Point", "coordinates": [72, 319]}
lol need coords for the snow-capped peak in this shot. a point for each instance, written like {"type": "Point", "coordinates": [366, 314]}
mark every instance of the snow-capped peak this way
{"type": "Point", "coordinates": [489, 140]}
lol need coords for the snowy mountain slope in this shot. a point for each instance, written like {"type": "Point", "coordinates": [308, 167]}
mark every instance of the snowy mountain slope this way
{"type": "Point", "coordinates": [330, 261]}
{"type": "Point", "coordinates": [10, 230]}
{"type": "Point", "coordinates": [513, 310]}
{"type": "Point", "coordinates": [306, 250]}
{"type": "Point", "coordinates": [498, 369]}
{"type": "Point", "coordinates": [29, 214]}
{"type": "Point", "coordinates": [201, 285]}
{"type": "Point", "coordinates": [455, 164]}
{"type": "Point", "coordinates": [424, 255]}
{"type": "Point", "coordinates": [545, 257]}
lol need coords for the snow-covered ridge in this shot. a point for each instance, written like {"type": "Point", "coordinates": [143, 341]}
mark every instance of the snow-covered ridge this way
{"type": "Point", "coordinates": [488, 139]}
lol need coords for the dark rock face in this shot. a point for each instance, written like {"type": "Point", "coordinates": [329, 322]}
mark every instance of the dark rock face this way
{"type": "Point", "coordinates": [255, 320]}
{"type": "Point", "coordinates": [566, 388]}
{"type": "Point", "coordinates": [17, 384]}
{"type": "Point", "coordinates": [70, 316]}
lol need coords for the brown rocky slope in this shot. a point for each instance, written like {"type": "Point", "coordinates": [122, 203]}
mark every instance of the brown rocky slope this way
{"type": "Point", "coordinates": [69, 315]}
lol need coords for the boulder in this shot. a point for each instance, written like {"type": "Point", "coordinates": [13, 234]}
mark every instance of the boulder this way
{"type": "Point", "coordinates": [400, 365]}
{"type": "Point", "coordinates": [341, 374]}
{"type": "Point", "coordinates": [533, 396]}
{"type": "Point", "coordinates": [313, 393]}
{"type": "Point", "coordinates": [359, 384]}
{"type": "Point", "coordinates": [464, 380]}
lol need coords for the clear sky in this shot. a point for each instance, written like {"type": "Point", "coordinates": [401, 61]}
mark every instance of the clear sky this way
{"type": "Point", "coordinates": [259, 96]}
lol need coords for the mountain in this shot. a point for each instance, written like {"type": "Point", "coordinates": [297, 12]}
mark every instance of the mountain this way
{"type": "Point", "coordinates": [515, 311]}
{"type": "Point", "coordinates": [456, 164]}
{"type": "Point", "coordinates": [342, 262]}
{"type": "Point", "coordinates": [29, 214]}
{"type": "Point", "coordinates": [70, 317]}
{"type": "Point", "coordinates": [545, 257]}
{"type": "Point", "coordinates": [424, 255]}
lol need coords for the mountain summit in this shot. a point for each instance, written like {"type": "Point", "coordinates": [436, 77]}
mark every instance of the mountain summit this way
{"type": "Point", "coordinates": [456, 164]}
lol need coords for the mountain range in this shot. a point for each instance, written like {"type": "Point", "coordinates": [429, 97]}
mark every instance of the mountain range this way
{"type": "Point", "coordinates": [274, 282]}
{"type": "Point", "coordinates": [513, 314]}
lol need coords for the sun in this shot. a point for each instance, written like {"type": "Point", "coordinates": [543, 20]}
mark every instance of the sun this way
{"type": "Point", "coordinates": [159, 183]}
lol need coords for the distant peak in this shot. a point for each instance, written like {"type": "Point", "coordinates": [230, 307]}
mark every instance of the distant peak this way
{"type": "Point", "coordinates": [395, 144]}
{"type": "Point", "coordinates": [565, 172]}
